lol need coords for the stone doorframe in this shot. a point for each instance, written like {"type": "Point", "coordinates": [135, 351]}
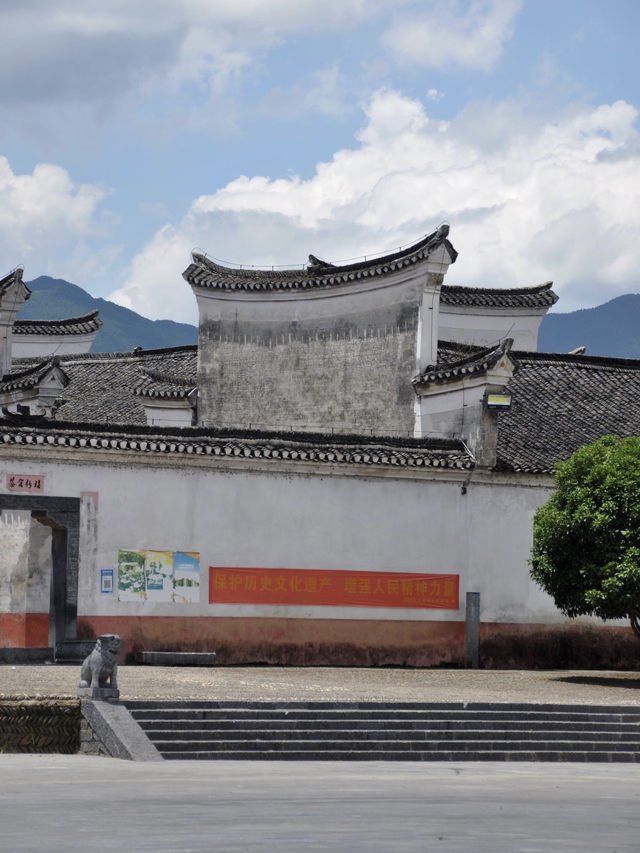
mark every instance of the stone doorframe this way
{"type": "Point", "coordinates": [62, 515]}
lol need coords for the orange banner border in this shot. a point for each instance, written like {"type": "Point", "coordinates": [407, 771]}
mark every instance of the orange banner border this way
{"type": "Point", "coordinates": [333, 588]}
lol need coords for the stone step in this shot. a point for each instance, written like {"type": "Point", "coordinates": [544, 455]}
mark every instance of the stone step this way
{"type": "Point", "coordinates": [157, 735]}
{"type": "Point", "coordinates": [353, 715]}
{"type": "Point", "coordinates": [338, 725]}
{"type": "Point", "coordinates": [393, 744]}
{"type": "Point", "coordinates": [494, 707]}
{"type": "Point", "coordinates": [388, 732]}
{"type": "Point", "coordinates": [407, 755]}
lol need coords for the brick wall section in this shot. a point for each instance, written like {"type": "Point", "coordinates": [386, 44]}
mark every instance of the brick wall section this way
{"type": "Point", "coordinates": [51, 726]}
{"type": "Point", "coordinates": [351, 383]}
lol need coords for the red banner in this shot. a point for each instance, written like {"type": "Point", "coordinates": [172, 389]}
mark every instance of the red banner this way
{"type": "Point", "coordinates": [332, 588]}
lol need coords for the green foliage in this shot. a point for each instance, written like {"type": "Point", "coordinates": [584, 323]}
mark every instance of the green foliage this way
{"type": "Point", "coordinates": [586, 538]}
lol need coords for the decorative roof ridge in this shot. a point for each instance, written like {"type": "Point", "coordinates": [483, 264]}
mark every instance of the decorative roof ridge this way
{"type": "Point", "coordinates": [15, 275]}
{"type": "Point", "coordinates": [204, 272]}
{"type": "Point", "coordinates": [303, 447]}
{"type": "Point", "coordinates": [478, 362]}
{"type": "Point", "coordinates": [21, 325]}
{"type": "Point", "coordinates": [573, 358]}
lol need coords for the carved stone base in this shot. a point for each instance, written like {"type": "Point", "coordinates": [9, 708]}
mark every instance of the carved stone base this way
{"type": "Point", "coordinates": [104, 693]}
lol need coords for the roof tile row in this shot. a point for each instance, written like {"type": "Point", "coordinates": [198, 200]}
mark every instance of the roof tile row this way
{"type": "Point", "coordinates": [72, 326]}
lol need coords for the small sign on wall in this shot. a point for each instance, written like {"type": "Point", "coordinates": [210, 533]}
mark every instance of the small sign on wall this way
{"type": "Point", "coordinates": [25, 482]}
{"type": "Point", "coordinates": [106, 580]}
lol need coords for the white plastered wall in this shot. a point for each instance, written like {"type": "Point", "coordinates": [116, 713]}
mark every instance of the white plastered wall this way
{"type": "Point", "coordinates": [274, 519]}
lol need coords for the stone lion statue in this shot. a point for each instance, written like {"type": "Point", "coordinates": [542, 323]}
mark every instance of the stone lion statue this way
{"type": "Point", "coordinates": [100, 668]}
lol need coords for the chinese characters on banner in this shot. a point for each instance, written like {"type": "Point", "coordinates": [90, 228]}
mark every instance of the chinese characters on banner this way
{"type": "Point", "coordinates": [329, 587]}
{"type": "Point", "coordinates": [25, 482]}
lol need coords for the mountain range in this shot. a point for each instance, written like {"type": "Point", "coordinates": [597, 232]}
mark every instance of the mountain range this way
{"type": "Point", "coordinates": [611, 329]}
{"type": "Point", "coordinates": [122, 329]}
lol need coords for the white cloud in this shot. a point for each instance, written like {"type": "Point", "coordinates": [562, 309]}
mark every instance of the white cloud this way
{"type": "Point", "coordinates": [45, 214]}
{"type": "Point", "coordinates": [86, 50]}
{"type": "Point", "coordinates": [451, 33]}
{"type": "Point", "coordinates": [556, 200]}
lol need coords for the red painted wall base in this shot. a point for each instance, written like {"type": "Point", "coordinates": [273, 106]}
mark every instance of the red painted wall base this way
{"type": "Point", "coordinates": [24, 630]}
{"type": "Point", "coordinates": [343, 642]}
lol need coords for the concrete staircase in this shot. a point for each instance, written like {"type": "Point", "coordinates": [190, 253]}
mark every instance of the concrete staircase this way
{"type": "Point", "coordinates": [375, 731]}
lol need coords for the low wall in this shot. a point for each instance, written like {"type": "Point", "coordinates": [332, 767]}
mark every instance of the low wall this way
{"type": "Point", "coordinates": [40, 725]}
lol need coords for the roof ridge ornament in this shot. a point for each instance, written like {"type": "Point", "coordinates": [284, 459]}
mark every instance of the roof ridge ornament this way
{"type": "Point", "coordinates": [317, 264]}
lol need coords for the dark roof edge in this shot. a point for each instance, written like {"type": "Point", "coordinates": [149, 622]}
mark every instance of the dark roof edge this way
{"type": "Point", "coordinates": [515, 291]}
{"type": "Point", "coordinates": [227, 432]}
{"type": "Point", "coordinates": [476, 362]}
{"type": "Point", "coordinates": [299, 447]}
{"type": "Point", "coordinates": [69, 321]}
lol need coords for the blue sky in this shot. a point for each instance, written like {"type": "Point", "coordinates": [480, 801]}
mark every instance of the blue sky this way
{"type": "Point", "coordinates": [264, 130]}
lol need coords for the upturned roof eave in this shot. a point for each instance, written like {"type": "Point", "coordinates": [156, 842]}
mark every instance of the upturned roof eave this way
{"type": "Point", "coordinates": [206, 273]}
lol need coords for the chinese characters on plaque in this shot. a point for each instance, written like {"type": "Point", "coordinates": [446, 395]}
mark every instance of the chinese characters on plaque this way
{"type": "Point", "coordinates": [25, 482]}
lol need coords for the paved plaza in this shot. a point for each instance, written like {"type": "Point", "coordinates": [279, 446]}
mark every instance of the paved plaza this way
{"type": "Point", "coordinates": [84, 803]}
{"type": "Point", "coordinates": [337, 684]}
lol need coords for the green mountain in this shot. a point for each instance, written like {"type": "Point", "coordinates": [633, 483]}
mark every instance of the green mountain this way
{"type": "Point", "coordinates": [612, 329]}
{"type": "Point", "coordinates": [122, 329]}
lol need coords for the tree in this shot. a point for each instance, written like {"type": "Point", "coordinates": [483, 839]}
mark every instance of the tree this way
{"type": "Point", "coordinates": [586, 538]}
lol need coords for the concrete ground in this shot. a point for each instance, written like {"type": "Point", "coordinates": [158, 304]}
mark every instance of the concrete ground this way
{"type": "Point", "coordinates": [337, 684]}
{"type": "Point", "coordinates": [81, 803]}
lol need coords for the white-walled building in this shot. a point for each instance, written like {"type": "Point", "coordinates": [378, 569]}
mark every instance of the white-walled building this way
{"type": "Point", "coordinates": [347, 452]}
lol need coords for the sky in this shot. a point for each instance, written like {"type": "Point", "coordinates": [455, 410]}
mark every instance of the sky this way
{"type": "Point", "coordinates": [260, 131]}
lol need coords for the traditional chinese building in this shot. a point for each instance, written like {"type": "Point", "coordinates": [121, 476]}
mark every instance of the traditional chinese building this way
{"type": "Point", "coordinates": [346, 453]}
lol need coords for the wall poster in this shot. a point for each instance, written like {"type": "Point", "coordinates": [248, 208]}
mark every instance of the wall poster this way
{"type": "Point", "coordinates": [160, 576]}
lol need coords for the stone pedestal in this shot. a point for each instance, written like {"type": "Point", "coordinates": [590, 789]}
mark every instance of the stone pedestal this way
{"type": "Point", "coordinates": [105, 693]}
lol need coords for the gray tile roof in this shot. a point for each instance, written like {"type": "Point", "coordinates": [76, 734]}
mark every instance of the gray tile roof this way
{"type": "Point", "coordinates": [295, 447]}
{"type": "Point", "coordinates": [540, 296]}
{"type": "Point", "coordinates": [72, 326]}
{"type": "Point", "coordinates": [204, 272]}
{"type": "Point", "coordinates": [561, 402]}
{"type": "Point", "coordinates": [449, 368]}
{"type": "Point", "coordinates": [29, 377]}
{"type": "Point", "coordinates": [101, 385]}
{"type": "Point", "coordinates": [158, 384]}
